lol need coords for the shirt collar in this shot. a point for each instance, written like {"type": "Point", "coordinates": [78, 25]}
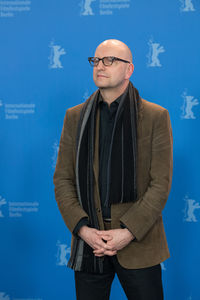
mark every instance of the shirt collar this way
{"type": "Point", "coordinates": [117, 100]}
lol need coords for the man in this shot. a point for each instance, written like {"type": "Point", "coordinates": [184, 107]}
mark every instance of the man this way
{"type": "Point", "coordinates": [112, 180]}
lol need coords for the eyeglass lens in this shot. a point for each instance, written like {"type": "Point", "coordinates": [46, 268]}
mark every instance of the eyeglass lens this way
{"type": "Point", "coordinates": [107, 61]}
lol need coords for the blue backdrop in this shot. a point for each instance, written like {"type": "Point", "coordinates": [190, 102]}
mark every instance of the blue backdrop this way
{"type": "Point", "coordinates": [44, 70]}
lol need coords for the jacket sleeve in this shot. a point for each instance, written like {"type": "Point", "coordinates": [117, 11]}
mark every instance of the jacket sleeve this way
{"type": "Point", "coordinates": [64, 177]}
{"type": "Point", "coordinates": [143, 214]}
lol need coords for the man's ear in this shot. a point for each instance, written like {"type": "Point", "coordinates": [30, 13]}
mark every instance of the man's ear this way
{"type": "Point", "coordinates": [130, 71]}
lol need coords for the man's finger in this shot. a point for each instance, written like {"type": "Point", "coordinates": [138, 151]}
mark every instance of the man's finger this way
{"type": "Point", "coordinates": [100, 244]}
{"type": "Point", "coordinates": [106, 237]}
{"type": "Point", "coordinates": [104, 251]}
{"type": "Point", "coordinates": [100, 255]}
{"type": "Point", "coordinates": [110, 253]}
{"type": "Point", "coordinates": [99, 251]}
{"type": "Point", "coordinates": [100, 232]}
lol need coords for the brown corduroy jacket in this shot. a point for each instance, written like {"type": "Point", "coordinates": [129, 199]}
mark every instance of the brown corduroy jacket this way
{"type": "Point", "coordinates": [154, 173]}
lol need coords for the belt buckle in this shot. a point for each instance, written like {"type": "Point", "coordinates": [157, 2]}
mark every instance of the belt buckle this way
{"type": "Point", "coordinates": [107, 220]}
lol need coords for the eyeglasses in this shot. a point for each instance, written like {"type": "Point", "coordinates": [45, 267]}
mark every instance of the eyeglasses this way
{"type": "Point", "coordinates": [107, 60]}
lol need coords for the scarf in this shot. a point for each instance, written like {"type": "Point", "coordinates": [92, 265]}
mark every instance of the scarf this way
{"type": "Point", "coordinates": [121, 184]}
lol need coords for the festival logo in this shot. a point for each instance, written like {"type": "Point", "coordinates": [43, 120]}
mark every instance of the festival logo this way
{"type": "Point", "coordinates": [188, 103]}
{"type": "Point", "coordinates": [55, 154]}
{"type": "Point", "coordinates": [1, 109]}
{"type": "Point", "coordinates": [63, 254]}
{"type": "Point", "coordinates": [9, 8]}
{"type": "Point", "coordinates": [18, 209]}
{"type": "Point", "coordinates": [86, 9]}
{"type": "Point", "coordinates": [3, 296]}
{"type": "Point", "coordinates": [189, 211]}
{"type": "Point", "coordinates": [56, 52]}
{"type": "Point", "coordinates": [186, 6]}
{"type": "Point", "coordinates": [163, 267]}
{"type": "Point", "coordinates": [2, 202]}
{"type": "Point", "coordinates": [155, 49]}
{"type": "Point", "coordinates": [14, 111]}
{"type": "Point", "coordinates": [86, 95]}
{"type": "Point", "coordinates": [104, 7]}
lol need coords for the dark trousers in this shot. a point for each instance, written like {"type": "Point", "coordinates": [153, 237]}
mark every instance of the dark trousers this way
{"type": "Point", "coordinates": [138, 284]}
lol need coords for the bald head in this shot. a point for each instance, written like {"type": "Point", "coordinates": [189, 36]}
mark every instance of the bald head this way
{"type": "Point", "coordinates": [115, 48]}
{"type": "Point", "coordinates": [112, 79]}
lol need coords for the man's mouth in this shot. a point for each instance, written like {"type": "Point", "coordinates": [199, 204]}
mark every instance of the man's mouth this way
{"type": "Point", "coordinates": [101, 75]}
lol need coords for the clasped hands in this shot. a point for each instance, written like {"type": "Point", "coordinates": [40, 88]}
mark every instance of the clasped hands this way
{"type": "Point", "coordinates": [106, 242]}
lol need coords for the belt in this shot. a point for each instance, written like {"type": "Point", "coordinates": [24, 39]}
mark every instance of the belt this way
{"type": "Point", "coordinates": [107, 220]}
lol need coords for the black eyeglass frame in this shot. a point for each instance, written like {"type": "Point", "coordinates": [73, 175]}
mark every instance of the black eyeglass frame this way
{"type": "Point", "coordinates": [113, 58]}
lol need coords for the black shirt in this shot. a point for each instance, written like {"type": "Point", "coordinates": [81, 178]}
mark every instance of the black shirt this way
{"type": "Point", "coordinates": [107, 119]}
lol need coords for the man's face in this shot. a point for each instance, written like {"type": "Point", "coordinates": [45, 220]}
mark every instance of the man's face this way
{"type": "Point", "coordinates": [114, 76]}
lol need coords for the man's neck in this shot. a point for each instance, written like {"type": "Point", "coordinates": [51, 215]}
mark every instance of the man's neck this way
{"type": "Point", "coordinates": [110, 95]}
